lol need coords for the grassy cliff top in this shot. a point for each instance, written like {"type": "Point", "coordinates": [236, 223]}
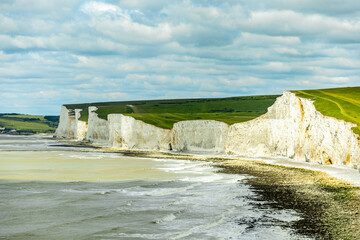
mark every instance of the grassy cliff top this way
{"type": "Point", "coordinates": [164, 113]}
{"type": "Point", "coordinates": [341, 103]}
{"type": "Point", "coordinates": [29, 123]}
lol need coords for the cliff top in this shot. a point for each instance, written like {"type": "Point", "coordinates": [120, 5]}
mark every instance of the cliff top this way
{"type": "Point", "coordinates": [164, 113]}
{"type": "Point", "coordinates": [341, 103]}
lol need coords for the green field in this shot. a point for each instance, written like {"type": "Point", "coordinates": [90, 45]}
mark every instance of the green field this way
{"type": "Point", "coordinates": [341, 103]}
{"type": "Point", "coordinates": [164, 113]}
{"type": "Point", "coordinates": [29, 123]}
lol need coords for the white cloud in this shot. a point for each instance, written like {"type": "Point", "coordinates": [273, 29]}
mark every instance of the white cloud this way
{"type": "Point", "coordinates": [100, 9]}
{"type": "Point", "coordinates": [292, 51]}
{"type": "Point", "coordinates": [96, 96]}
{"type": "Point", "coordinates": [144, 4]}
{"type": "Point", "coordinates": [277, 67]}
{"type": "Point", "coordinates": [42, 94]}
{"type": "Point", "coordinates": [139, 49]}
{"type": "Point", "coordinates": [328, 7]}
{"type": "Point", "coordinates": [7, 24]}
{"type": "Point", "coordinates": [258, 39]}
{"type": "Point", "coordinates": [242, 82]}
{"type": "Point", "coordinates": [290, 23]}
{"type": "Point", "coordinates": [331, 79]}
{"type": "Point", "coordinates": [127, 31]}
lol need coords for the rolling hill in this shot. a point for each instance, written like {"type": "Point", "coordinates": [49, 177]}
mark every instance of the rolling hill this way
{"type": "Point", "coordinates": [26, 124]}
{"type": "Point", "coordinates": [341, 103]}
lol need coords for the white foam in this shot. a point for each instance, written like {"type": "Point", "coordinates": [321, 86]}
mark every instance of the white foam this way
{"type": "Point", "coordinates": [340, 172]}
{"type": "Point", "coordinates": [91, 191]}
{"type": "Point", "coordinates": [90, 155]}
{"type": "Point", "coordinates": [235, 179]}
{"type": "Point", "coordinates": [203, 179]}
{"type": "Point", "coordinates": [168, 218]}
{"type": "Point", "coordinates": [170, 191]}
{"type": "Point", "coordinates": [201, 227]}
{"type": "Point", "coordinates": [174, 168]}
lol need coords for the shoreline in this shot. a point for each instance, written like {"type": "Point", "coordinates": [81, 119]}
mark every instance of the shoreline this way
{"type": "Point", "coordinates": [329, 206]}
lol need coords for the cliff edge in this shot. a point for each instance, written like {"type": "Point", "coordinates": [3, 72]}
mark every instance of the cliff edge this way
{"type": "Point", "coordinates": [292, 127]}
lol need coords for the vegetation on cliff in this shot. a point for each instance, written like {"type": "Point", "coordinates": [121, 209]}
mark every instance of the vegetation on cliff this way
{"type": "Point", "coordinates": [164, 113]}
{"type": "Point", "coordinates": [28, 123]}
{"type": "Point", "coordinates": [341, 103]}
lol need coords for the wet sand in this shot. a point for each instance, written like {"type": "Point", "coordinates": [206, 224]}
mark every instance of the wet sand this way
{"type": "Point", "coordinates": [329, 207]}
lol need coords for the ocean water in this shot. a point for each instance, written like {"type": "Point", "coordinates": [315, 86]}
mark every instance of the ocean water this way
{"type": "Point", "coordinates": [55, 192]}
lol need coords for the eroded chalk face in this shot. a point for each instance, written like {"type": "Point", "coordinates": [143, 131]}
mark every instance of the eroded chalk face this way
{"type": "Point", "coordinates": [291, 128]}
{"type": "Point", "coordinates": [199, 136]}
{"type": "Point", "coordinates": [98, 129]}
{"type": "Point", "coordinates": [128, 133]}
{"type": "Point", "coordinates": [70, 126]}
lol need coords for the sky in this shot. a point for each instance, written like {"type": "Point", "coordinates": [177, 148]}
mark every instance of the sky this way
{"type": "Point", "coordinates": [74, 51]}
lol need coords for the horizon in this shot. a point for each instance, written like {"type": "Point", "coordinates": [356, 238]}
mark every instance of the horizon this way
{"type": "Point", "coordinates": [80, 51]}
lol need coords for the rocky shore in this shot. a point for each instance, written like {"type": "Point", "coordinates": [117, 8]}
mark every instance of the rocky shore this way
{"type": "Point", "coordinates": [329, 207]}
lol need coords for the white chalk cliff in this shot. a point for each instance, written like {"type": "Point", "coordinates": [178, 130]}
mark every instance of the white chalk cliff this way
{"type": "Point", "coordinates": [199, 135]}
{"type": "Point", "coordinates": [292, 128]}
{"type": "Point", "coordinates": [70, 126]}
{"type": "Point", "coordinates": [128, 133]}
{"type": "Point", "coordinates": [98, 129]}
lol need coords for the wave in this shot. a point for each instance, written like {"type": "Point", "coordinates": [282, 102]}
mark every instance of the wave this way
{"type": "Point", "coordinates": [203, 179]}
{"type": "Point", "coordinates": [168, 218]}
{"type": "Point", "coordinates": [205, 226]}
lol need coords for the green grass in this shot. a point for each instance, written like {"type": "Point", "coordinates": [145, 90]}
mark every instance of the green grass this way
{"type": "Point", "coordinates": [167, 120]}
{"type": "Point", "coordinates": [341, 103]}
{"type": "Point", "coordinates": [28, 123]}
{"type": "Point", "coordinates": [164, 113]}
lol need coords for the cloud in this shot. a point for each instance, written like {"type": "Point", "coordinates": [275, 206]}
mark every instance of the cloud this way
{"type": "Point", "coordinates": [327, 7]}
{"type": "Point", "coordinates": [100, 8]}
{"type": "Point", "coordinates": [42, 94]}
{"type": "Point", "coordinates": [290, 23]}
{"type": "Point", "coordinates": [277, 67]}
{"type": "Point", "coordinates": [331, 79]}
{"type": "Point", "coordinates": [92, 96]}
{"type": "Point", "coordinates": [55, 52]}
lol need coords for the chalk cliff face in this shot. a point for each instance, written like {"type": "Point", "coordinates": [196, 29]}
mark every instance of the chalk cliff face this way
{"type": "Point", "coordinates": [62, 129]}
{"type": "Point", "coordinates": [199, 136]}
{"type": "Point", "coordinates": [79, 127]}
{"type": "Point", "coordinates": [291, 128]}
{"type": "Point", "coordinates": [98, 129]}
{"type": "Point", "coordinates": [129, 133]}
{"type": "Point", "coordinates": [70, 126]}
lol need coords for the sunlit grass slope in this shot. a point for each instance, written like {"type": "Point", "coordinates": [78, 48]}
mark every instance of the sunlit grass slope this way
{"type": "Point", "coordinates": [164, 113]}
{"type": "Point", "coordinates": [29, 123]}
{"type": "Point", "coordinates": [341, 103]}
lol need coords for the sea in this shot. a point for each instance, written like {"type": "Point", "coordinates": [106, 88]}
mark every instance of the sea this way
{"type": "Point", "coordinates": [52, 191]}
